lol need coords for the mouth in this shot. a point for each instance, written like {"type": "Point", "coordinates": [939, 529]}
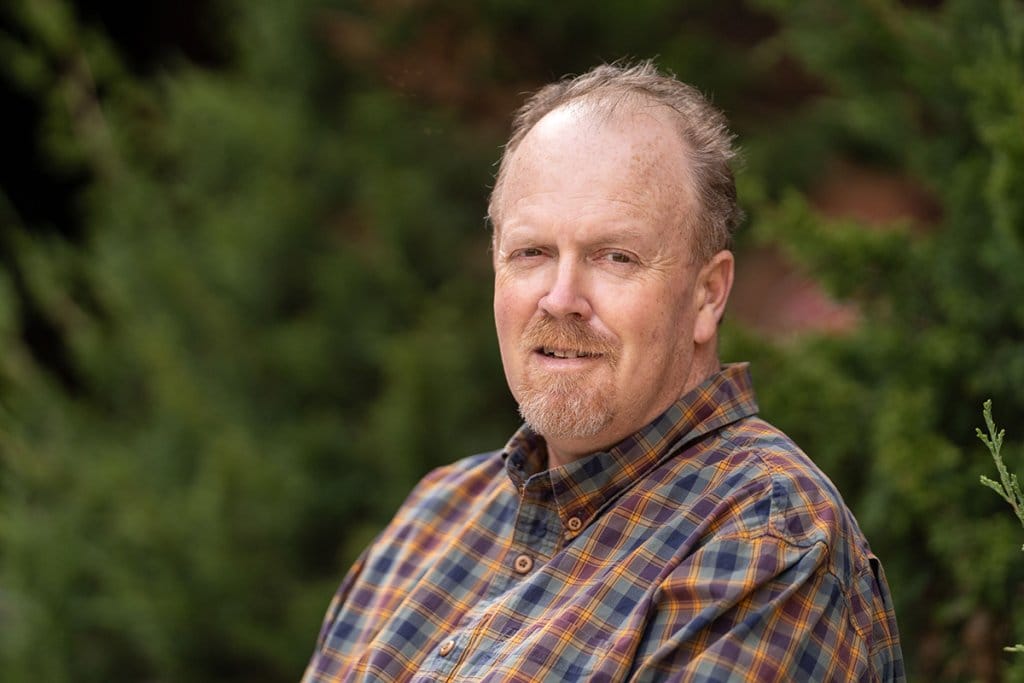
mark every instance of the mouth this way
{"type": "Point", "coordinates": [552, 352]}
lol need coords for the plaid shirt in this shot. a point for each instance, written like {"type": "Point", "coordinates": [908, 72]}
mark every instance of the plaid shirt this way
{"type": "Point", "coordinates": [706, 547]}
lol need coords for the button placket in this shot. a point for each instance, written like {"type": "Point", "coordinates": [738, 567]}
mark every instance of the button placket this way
{"type": "Point", "coordinates": [537, 528]}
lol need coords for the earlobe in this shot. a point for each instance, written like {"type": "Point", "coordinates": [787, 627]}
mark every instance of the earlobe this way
{"type": "Point", "coordinates": [714, 282]}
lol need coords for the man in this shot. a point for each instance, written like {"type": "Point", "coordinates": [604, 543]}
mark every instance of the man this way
{"type": "Point", "coordinates": [644, 524]}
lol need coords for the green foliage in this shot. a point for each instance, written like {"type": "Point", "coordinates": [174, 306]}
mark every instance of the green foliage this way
{"type": "Point", "coordinates": [1007, 487]}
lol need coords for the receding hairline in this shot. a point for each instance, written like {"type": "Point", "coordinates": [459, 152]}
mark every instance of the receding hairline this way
{"type": "Point", "coordinates": [606, 105]}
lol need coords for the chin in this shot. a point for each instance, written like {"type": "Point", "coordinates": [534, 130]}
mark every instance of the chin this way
{"type": "Point", "coordinates": [566, 412]}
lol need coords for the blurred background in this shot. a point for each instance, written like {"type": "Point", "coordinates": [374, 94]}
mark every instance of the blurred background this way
{"type": "Point", "coordinates": [245, 296]}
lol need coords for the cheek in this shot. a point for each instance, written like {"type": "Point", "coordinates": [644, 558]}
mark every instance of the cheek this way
{"type": "Point", "coordinates": [511, 315]}
{"type": "Point", "coordinates": [662, 327]}
{"type": "Point", "coordinates": [504, 309]}
{"type": "Point", "coordinates": [515, 299]}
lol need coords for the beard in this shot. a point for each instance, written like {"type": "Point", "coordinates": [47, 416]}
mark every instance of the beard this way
{"type": "Point", "coordinates": [567, 405]}
{"type": "Point", "coordinates": [563, 408]}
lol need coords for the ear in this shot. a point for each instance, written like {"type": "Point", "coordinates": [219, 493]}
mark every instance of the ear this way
{"type": "Point", "coordinates": [714, 282]}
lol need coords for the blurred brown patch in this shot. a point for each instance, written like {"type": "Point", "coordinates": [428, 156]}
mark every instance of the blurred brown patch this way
{"type": "Point", "coordinates": [874, 197]}
{"type": "Point", "coordinates": [773, 297]}
{"type": "Point", "coordinates": [442, 58]}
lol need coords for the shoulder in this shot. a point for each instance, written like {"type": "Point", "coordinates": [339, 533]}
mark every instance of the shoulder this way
{"type": "Point", "coordinates": [805, 508]}
{"type": "Point", "coordinates": [781, 492]}
{"type": "Point", "coordinates": [464, 473]}
{"type": "Point", "coordinates": [451, 486]}
{"type": "Point", "coordinates": [436, 512]}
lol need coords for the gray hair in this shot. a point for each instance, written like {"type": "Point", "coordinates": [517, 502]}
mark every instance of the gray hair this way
{"type": "Point", "coordinates": [702, 126]}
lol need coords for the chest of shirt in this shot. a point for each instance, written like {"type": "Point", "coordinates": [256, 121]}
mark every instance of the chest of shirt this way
{"type": "Point", "coordinates": [511, 589]}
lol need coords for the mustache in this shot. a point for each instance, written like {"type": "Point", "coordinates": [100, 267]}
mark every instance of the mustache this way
{"type": "Point", "coordinates": [570, 334]}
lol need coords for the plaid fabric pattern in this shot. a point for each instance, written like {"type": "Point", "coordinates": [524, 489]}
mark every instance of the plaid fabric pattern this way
{"type": "Point", "coordinates": [706, 547]}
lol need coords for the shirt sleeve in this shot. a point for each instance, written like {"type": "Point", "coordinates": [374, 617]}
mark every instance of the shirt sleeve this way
{"type": "Point", "coordinates": [765, 609]}
{"type": "Point", "coordinates": [339, 598]}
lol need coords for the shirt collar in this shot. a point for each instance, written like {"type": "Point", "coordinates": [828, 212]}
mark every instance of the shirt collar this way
{"type": "Point", "coordinates": [581, 488]}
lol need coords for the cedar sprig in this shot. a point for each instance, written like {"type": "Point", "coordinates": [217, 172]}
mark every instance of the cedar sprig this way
{"type": "Point", "coordinates": [1007, 486]}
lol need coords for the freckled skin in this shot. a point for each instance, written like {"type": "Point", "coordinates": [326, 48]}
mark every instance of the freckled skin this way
{"type": "Point", "coordinates": [590, 225]}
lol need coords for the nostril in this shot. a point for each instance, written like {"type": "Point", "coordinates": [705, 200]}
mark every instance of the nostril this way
{"type": "Point", "coordinates": [565, 299]}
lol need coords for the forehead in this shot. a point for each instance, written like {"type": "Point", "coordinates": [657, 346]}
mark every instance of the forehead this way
{"type": "Point", "coordinates": [631, 153]}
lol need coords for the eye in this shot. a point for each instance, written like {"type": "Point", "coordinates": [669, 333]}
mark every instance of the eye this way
{"type": "Point", "coordinates": [527, 252]}
{"type": "Point", "coordinates": [618, 257]}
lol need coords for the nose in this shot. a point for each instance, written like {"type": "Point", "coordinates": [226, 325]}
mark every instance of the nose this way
{"type": "Point", "coordinates": [566, 295]}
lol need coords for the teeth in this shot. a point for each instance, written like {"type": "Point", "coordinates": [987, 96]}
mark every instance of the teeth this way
{"type": "Point", "coordinates": [562, 353]}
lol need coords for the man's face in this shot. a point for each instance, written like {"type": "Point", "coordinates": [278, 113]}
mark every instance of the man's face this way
{"type": "Point", "coordinates": [596, 290]}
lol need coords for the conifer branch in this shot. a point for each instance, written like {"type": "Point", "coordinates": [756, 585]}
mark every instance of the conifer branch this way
{"type": "Point", "coordinates": [1008, 487]}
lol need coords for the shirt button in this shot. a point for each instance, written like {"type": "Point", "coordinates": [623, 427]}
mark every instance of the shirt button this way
{"type": "Point", "coordinates": [574, 524]}
{"type": "Point", "coordinates": [446, 648]}
{"type": "Point", "coordinates": [523, 564]}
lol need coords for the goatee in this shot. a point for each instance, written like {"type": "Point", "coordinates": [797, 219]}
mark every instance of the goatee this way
{"type": "Point", "coordinates": [567, 405]}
